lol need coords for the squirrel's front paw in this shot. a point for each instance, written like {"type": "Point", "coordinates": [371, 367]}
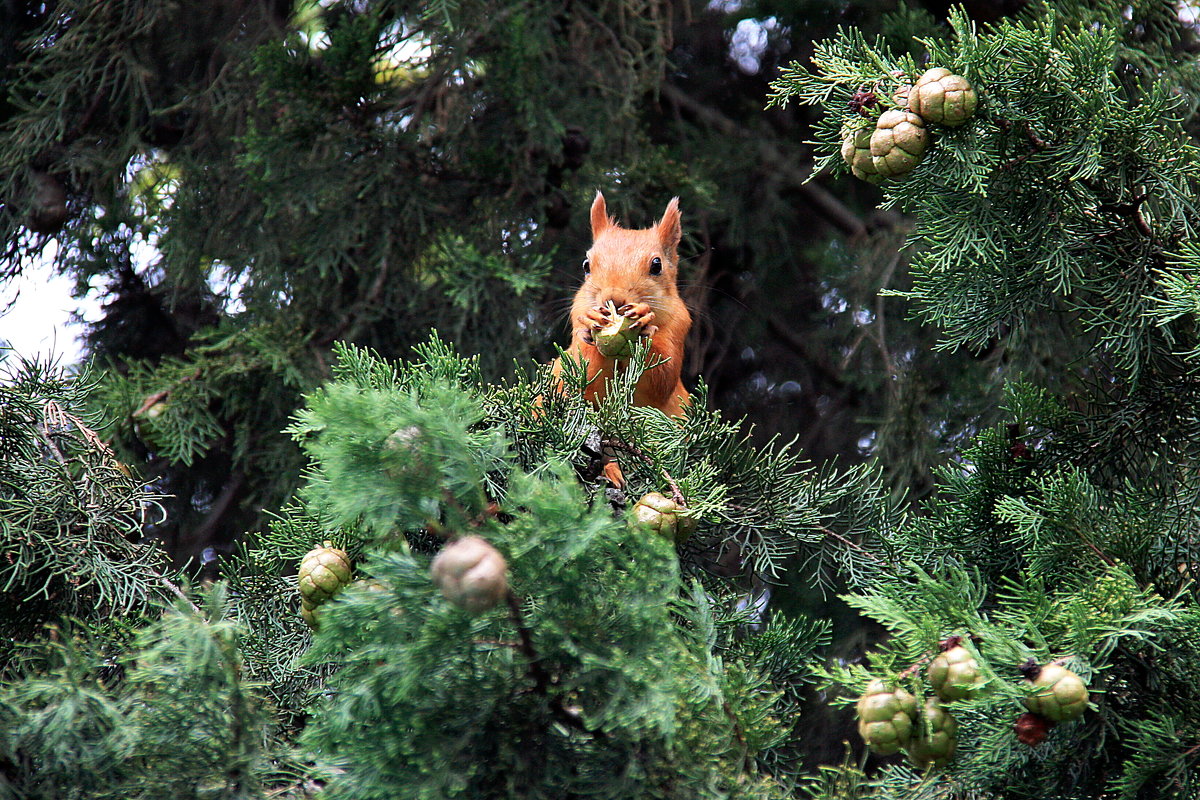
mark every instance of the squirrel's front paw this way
{"type": "Point", "coordinates": [596, 317]}
{"type": "Point", "coordinates": [592, 321]}
{"type": "Point", "coordinates": [640, 313]}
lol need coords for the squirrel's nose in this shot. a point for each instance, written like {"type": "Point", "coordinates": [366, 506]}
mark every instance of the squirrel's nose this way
{"type": "Point", "coordinates": [616, 297]}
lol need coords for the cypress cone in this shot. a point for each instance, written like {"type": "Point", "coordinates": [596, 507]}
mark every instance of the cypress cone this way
{"type": "Point", "coordinates": [323, 572]}
{"type": "Point", "coordinates": [471, 574]}
{"type": "Point", "coordinates": [659, 514]}
{"type": "Point", "coordinates": [885, 717]}
{"type": "Point", "coordinates": [954, 673]}
{"type": "Point", "coordinates": [898, 143]}
{"type": "Point", "coordinates": [1032, 729]}
{"type": "Point", "coordinates": [935, 738]}
{"type": "Point", "coordinates": [942, 97]}
{"type": "Point", "coordinates": [856, 152]}
{"type": "Point", "coordinates": [1058, 694]}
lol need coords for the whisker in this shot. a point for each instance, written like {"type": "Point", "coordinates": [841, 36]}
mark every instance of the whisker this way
{"type": "Point", "coordinates": [655, 303]}
{"type": "Point", "coordinates": [560, 305]}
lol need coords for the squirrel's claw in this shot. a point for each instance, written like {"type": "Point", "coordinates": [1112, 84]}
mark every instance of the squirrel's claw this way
{"type": "Point", "coordinates": [641, 315]}
{"type": "Point", "coordinates": [634, 310]}
{"type": "Point", "coordinates": [596, 318]}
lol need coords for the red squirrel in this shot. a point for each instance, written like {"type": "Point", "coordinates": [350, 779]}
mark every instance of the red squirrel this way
{"type": "Point", "coordinates": [635, 270]}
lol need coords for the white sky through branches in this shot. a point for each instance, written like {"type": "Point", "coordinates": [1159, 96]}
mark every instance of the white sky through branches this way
{"type": "Point", "coordinates": [36, 314]}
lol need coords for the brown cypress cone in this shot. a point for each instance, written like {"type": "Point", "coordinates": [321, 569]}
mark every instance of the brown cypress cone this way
{"type": "Point", "coordinates": [1031, 728]}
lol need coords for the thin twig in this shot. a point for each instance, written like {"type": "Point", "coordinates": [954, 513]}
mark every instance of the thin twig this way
{"type": "Point", "coordinates": [44, 434]}
{"type": "Point", "coordinates": [175, 590]}
{"type": "Point", "coordinates": [676, 494]}
{"type": "Point", "coordinates": [159, 396]}
{"type": "Point", "coordinates": [828, 532]}
{"type": "Point", "coordinates": [880, 330]}
{"type": "Point", "coordinates": [1131, 210]}
{"type": "Point", "coordinates": [747, 761]}
{"type": "Point", "coordinates": [1112, 562]}
{"type": "Point", "coordinates": [916, 665]}
{"type": "Point", "coordinates": [851, 543]}
{"type": "Point", "coordinates": [1037, 143]}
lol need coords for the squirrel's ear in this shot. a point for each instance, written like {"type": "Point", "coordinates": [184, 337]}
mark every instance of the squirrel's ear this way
{"type": "Point", "coordinates": [600, 220]}
{"type": "Point", "coordinates": [670, 231]}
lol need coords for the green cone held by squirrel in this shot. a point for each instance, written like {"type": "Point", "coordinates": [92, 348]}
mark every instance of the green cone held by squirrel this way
{"type": "Point", "coordinates": [934, 738]}
{"type": "Point", "coordinates": [942, 97]}
{"type": "Point", "coordinates": [661, 515]}
{"type": "Point", "coordinates": [1058, 694]}
{"type": "Point", "coordinates": [616, 339]}
{"type": "Point", "coordinates": [471, 574]}
{"type": "Point", "coordinates": [885, 717]}
{"type": "Point", "coordinates": [856, 152]}
{"type": "Point", "coordinates": [898, 143]}
{"type": "Point", "coordinates": [954, 673]}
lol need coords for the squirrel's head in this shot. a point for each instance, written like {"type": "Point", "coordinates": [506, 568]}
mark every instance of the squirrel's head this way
{"type": "Point", "coordinates": [630, 266]}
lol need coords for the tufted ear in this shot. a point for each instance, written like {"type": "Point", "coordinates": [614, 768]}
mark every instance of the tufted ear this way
{"type": "Point", "coordinates": [600, 219]}
{"type": "Point", "coordinates": [670, 231]}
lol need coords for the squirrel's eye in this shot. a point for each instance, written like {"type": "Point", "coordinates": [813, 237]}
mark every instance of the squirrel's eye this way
{"type": "Point", "coordinates": [655, 265]}
{"type": "Point", "coordinates": [587, 266]}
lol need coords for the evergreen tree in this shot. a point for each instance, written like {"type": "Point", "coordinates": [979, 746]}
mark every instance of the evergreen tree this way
{"type": "Point", "coordinates": [1039, 602]}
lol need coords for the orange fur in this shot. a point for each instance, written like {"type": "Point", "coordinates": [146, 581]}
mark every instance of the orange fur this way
{"type": "Point", "coordinates": [620, 272]}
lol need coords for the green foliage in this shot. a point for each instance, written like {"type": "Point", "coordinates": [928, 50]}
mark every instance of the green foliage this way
{"type": "Point", "coordinates": [172, 408]}
{"type": "Point", "coordinates": [1064, 534]}
{"type": "Point", "coordinates": [431, 700]}
{"type": "Point", "coordinates": [71, 513]}
{"type": "Point", "coordinates": [207, 423]}
{"type": "Point", "coordinates": [849, 781]}
{"type": "Point", "coordinates": [605, 665]}
{"type": "Point", "coordinates": [762, 501]}
{"type": "Point", "coordinates": [602, 665]}
{"type": "Point", "coordinates": [248, 185]}
{"type": "Point", "coordinates": [1061, 151]}
{"type": "Point", "coordinates": [171, 717]}
{"type": "Point", "coordinates": [1065, 592]}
